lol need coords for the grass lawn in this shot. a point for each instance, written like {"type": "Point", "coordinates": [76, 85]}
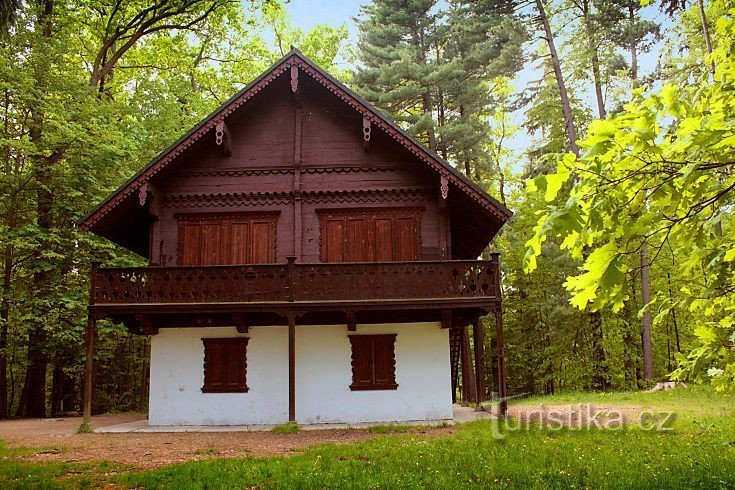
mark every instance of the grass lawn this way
{"type": "Point", "coordinates": [699, 452]}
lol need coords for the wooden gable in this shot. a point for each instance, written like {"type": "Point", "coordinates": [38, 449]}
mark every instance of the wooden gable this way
{"type": "Point", "coordinates": [295, 135]}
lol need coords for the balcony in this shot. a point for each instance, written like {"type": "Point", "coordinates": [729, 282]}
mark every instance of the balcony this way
{"type": "Point", "coordinates": [296, 287]}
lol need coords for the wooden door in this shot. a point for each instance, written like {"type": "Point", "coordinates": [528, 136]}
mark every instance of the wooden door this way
{"type": "Point", "coordinates": [370, 235]}
{"type": "Point", "coordinates": [227, 239]}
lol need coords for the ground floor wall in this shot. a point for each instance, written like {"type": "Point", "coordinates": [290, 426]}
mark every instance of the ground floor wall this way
{"type": "Point", "coordinates": [323, 377]}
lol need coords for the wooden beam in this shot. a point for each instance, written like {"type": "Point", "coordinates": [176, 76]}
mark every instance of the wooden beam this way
{"type": "Point", "coordinates": [502, 388]}
{"type": "Point", "coordinates": [89, 335]}
{"type": "Point", "coordinates": [469, 391]}
{"type": "Point", "coordinates": [351, 321]}
{"type": "Point", "coordinates": [240, 323]}
{"type": "Point", "coordinates": [146, 325]}
{"type": "Point", "coordinates": [446, 318]}
{"type": "Point", "coordinates": [297, 207]}
{"type": "Point", "coordinates": [478, 331]}
{"type": "Point", "coordinates": [291, 367]}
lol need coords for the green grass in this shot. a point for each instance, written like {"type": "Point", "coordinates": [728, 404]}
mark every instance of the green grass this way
{"type": "Point", "coordinates": [289, 428]}
{"type": "Point", "coordinates": [693, 456]}
{"type": "Point", "coordinates": [697, 453]}
{"type": "Point", "coordinates": [17, 473]}
{"type": "Point", "coordinates": [686, 401]}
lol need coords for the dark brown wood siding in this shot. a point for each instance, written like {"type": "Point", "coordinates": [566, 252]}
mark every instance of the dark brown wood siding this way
{"type": "Point", "coordinates": [334, 171]}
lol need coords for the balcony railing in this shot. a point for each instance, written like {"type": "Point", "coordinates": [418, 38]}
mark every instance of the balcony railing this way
{"type": "Point", "coordinates": [297, 283]}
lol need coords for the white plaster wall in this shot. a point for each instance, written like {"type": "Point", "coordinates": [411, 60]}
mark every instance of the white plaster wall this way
{"type": "Point", "coordinates": [177, 375]}
{"type": "Point", "coordinates": [324, 374]}
{"type": "Point", "coordinates": [323, 377]}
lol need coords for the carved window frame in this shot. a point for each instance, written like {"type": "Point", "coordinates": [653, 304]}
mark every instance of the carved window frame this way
{"type": "Point", "coordinates": [220, 386]}
{"type": "Point", "coordinates": [374, 347]}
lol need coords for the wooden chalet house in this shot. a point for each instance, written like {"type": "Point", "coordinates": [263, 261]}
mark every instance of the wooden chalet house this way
{"type": "Point", "coordinates": [309, 262]}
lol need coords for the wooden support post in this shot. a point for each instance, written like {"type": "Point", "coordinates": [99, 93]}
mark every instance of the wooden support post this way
{"type": "Point", "coordinates": [468, 376]}
{"type": "Point", "coordinates": [291, 367]}
{"type": "Point", "coordinates": [502, 389]}
{"type": "Point", "coordinates": [351, 320]}
{"type": "Point", "coordinates": [89, 335]}
{"type": "Point", "coordinates": [478, 330]}
{"type": "Point", "coordinates": [500, 344]}
{"type": "Point", "coordinates": [297, 206]}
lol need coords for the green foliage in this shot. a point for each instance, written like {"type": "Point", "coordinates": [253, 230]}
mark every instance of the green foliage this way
{"type": "Point", "coordinates": [71, 134]}
{"type": "Point", "coordinates": [660, 173]}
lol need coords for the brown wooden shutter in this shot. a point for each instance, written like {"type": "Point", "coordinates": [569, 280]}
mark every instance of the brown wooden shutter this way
{"type": "Point", "coordinates": [333, 239]}
{"type": "Point", "coordinates": [370, 235]}
{"type": "Point", "coordinates": [227, 239]}
{"type": "Point", "coordinates": [373, 362]}
{"type": "Point", "coordinates": [357, 239]}
{"type": "Point", "coordinates": [263, 231]}
{"type": "Point", "coordinates": [225, 365]}
{"type": "Point", "coordinates": [384, 239]}
{"type": "Point", "coordinates": [384, 361]}
{"type": "Point", "coordinates": [405, 244]}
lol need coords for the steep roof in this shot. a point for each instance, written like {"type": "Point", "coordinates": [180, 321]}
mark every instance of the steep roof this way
{"type": "Point", "coordinates": [295, 59]}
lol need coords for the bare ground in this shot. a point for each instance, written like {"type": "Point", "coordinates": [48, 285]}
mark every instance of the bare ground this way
{"type": "Point", "coordinates": [56, 440]}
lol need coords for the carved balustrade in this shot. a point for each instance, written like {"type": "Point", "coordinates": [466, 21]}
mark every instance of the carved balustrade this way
{"type": "Point", "coordinates": [313, 283]}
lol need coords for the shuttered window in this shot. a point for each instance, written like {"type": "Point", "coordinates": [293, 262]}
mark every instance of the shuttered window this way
{"type": "Point", "coordinates": [370, 235]}
{"type": "Point", "coordinates": [227, 239]}
{"type": "Point", "coordinates": [225, 365]}
{"type": "Point", "coordinates": [373, 362]}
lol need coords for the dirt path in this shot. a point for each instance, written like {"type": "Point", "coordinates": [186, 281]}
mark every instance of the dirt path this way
{"type": "Point", "coordinates": [56, 441]}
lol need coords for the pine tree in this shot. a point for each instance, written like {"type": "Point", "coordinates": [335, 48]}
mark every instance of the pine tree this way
{"type": "Point", "coordinates": [398, 70]}
{"type": "Point", "coordinates": [484, 45]}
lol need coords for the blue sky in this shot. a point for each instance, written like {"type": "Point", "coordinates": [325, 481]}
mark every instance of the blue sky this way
{"type": "Point", "coordinates": [308, 13]}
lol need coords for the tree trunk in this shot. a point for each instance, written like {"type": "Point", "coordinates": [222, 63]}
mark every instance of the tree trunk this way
{"type": "Point", "coordinates": [594, 59]}
{"type": "Point", "coordinates": [633, 47]}
{"type": "Point", "coordinates": [33, 398]}
{"type": "Point", "coordinates": [563, 94]}
{"type": "Point", "coordinates": [645, 297]}
{"type": "Point", "coordinates": [429, 109]}
{"type": "Point", "coordinates": [673, 313]}
{"type": "Point", "coordinates": [8, 259]}
{"type": "Point", "coordinates": [705, 30]}
{"type": "Point", "coordinates": [599, 380]}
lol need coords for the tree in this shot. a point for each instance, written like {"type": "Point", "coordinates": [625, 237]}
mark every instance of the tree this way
{"type": "Point", "coordinates": [658, 173]}
{"type": "Point", "coordinates": [398, 72]}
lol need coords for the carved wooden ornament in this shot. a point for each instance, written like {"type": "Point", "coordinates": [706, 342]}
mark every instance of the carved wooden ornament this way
{"type": "Point", "coordinates": [444, 186]}
{"type": "Point", "coordinates": [143, 194]}
{"type": "Point", "coordinates": [294, 78]}
{"type": "Point", "coordinates": [219, 134]}
{"type": "Point", "coordinates": [366, 129]}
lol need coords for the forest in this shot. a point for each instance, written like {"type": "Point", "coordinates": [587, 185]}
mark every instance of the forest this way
{"type": "Point", "coordinates": [607, 126]}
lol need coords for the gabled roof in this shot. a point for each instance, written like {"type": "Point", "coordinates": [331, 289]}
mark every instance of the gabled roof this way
{"type": "Point", "coordinates": [305, 65]}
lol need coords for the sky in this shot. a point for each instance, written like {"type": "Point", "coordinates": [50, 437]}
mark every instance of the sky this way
{"type": "Point", "coordinates": [308, 13]}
